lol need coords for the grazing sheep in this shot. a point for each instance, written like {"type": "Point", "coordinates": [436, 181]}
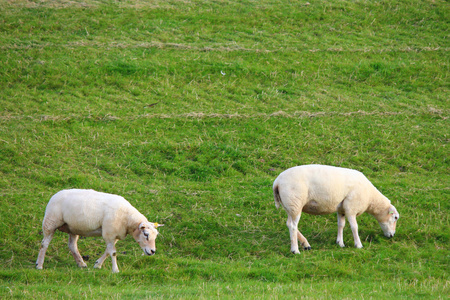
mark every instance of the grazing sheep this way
{"type": "Point", "coordinates": [319, 189]}
{"type": "Point", "coordinates": [91, 213]}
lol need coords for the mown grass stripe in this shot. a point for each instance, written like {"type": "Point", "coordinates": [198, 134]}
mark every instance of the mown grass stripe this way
{"type": "Point", "coordinates": [201, 115]}
{"type": "Point", "coordinates": [216, 48]}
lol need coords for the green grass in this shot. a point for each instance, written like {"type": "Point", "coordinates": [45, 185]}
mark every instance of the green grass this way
{"type": "Point", "coordinates": [190, 110]}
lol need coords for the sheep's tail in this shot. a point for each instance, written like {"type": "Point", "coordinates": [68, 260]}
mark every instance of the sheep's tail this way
{"type": "Point", "coordinates": [276, 196]}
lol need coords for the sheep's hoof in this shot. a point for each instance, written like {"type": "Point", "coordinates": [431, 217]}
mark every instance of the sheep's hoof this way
{"type": "Point", "coordinates": [307, 248]}
{"type": "Point", "coordinates": [295, 252]}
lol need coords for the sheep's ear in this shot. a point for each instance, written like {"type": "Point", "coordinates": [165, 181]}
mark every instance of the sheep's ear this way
{"type": "Point", "coordinates": [157, 225]}
{"type": "Point", "coordinates": [392, 210]}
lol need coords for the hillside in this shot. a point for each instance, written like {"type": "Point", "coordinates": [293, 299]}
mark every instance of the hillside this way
{"type": "Point", "coordinates": [191, 109]}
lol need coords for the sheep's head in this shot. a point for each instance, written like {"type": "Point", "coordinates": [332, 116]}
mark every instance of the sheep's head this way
{"type": "Point", "coordinates": [146, 235]}
{"type": "Point", "coordinates": [389, 221]}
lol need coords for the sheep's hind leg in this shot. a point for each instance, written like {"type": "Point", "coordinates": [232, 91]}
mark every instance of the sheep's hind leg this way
{"type": "Point", "coordinates": [340, 234]}
{"type": "Point", "coordinates": [294, 233]}
{"type": "Point", "coordinates": [49, 227]}
{"type": "Point", "coordinates": [73, 238]}
{"type": "Point", "coordinates": [44, 246]}
{"type": "Point", "coordinates": [354, 227]}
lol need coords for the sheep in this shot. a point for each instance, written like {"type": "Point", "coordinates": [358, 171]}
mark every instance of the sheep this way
{"type": "Point", "coordinates": [91, 213]}
{"type": "Point", "coordinates": [321, 189]}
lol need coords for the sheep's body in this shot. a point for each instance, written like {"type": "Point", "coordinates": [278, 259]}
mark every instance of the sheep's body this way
{"type": "Point", "coordinates": [91, 213]}
{"type": "Point", "coordinates": [319, 189]}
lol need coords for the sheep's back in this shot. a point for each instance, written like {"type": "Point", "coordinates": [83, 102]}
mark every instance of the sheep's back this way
{"type": "Point", "coordinates": [86, 210]}
{"type": "Point", "coordinates": [318, 188]}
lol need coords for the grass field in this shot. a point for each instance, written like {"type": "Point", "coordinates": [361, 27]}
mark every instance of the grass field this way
{"type": "Point", "coordinates": [191, 109]}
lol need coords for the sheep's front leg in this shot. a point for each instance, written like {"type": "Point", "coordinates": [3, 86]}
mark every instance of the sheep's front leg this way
{"type": "Point", "coordinates": [340, 234]}
{"type": "Point", "coordinates": [113, 253]}
{"type": "Point", "coordinates": [73, 238]}
{"type": "Point", "coordinates": [110, 250]}
{"type": "Point", "coordinates": [294, 233]}
{"type": "Point", "coordinates": [303, 241]}
{"type": "Point", "coordinates": [354, 227]}
{"type": "Point", "coordinates": [98, 264]}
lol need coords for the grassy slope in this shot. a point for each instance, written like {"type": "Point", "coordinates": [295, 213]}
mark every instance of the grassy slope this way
{"type": "Point", "coordinates": [191, 109]}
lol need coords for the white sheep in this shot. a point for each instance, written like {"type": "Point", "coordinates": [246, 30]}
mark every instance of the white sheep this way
{"type": "Point", "coordinates": [319, 189]}
{"type": "Point", "coordinates": [90, 213]}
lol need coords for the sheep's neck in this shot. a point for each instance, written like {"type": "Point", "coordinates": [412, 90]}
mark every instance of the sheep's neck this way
{"type": "Point", "coordinates": [134, 219]}
{"type": "Point", "coordinates": [378, 205]}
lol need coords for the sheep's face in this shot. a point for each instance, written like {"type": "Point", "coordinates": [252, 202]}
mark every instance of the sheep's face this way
{"type": "Point", "coordinates": [389, 222]}
{"type": "Point", "coordinates": [146, 235]}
